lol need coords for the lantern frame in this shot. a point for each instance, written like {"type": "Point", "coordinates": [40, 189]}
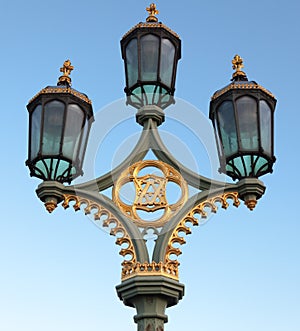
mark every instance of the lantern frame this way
{"type": "Point", "coordinates": [236, 164]}
{"type": "Point", "coordinates": [142, 92]}
{"type": "Point", "coordinates": [48, 166]}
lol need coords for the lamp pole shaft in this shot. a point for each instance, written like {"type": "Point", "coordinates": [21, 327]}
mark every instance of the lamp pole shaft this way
{"type": "Point", "coordinates": [150, 313]}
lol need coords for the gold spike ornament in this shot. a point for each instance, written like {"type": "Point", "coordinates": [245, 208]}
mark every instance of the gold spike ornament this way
{"type": "Point", "coordinates": [66, 69]}
{"type": "Point", "coordinates": [237, 65]}
{"type": "Point", "coordinates": [152, 12]}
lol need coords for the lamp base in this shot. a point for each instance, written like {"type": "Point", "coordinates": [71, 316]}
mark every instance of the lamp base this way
{"type": "Point", "coordinates": [150, 112]}
{"type": "Point", "coordinates": [250, 190]}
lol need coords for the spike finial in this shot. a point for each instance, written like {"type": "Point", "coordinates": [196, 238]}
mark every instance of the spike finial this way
{"type": "Point", "coordinates": [66, 69]}
{"type": "Point", "coordinates": [237, 65]}
{"type": "Point", "coordinates": [152, 12]}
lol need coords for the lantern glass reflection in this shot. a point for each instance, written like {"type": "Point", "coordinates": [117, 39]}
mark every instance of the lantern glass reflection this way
{"type": "Point", "coordinates": [149, 57]}
{"type": "Point", "coordinates": [247, 122]}
{"type": "Point", "coordinates": [166, 61]}
{"type": "Point", "coordinates": [227, 127]}
{"type": "Point", "coordinates": [132, 62]}
{"type": "Point", "coordinates": [35, 137]}
{"type": "Point", "coordinates": [53, 127]}
{"type": "Point", "coordinates": [74, 125]}
{"type": "Point", "coordinates": [266, 125]}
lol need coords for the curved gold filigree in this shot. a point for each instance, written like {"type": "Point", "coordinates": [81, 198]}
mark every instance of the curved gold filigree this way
{"type": "Point", "coordinates": [109, 220]}
{"type": "Point", "coordinates": [150, 192]}
{"type": "Point", "coordinates": [177, 235]}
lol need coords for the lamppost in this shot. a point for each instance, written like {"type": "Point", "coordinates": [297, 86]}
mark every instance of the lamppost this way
{"type": "Point", "coordinates": [60, 119]}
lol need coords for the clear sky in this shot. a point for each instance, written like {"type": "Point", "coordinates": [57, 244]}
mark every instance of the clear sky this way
{"type": "Point", "coordinates": [241, 269]}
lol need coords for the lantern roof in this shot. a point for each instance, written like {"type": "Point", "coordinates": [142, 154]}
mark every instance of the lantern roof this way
{"type": "Point", "coordinates": [240, 81]}
{"type": "Point", "coordinates": [62, 90]}
{"type": "Point", "coordinates": [63, 85]}
{"type": "Point", "coordinates": [151, 23]}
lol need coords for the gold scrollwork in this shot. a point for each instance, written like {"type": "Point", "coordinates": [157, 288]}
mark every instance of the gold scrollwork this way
{"type": "Point", "coordinates": [150, 192]}
{"type": "Point", "coordinates": [182, 228]}
{"type": "Point", "coordinates": [109, 220]}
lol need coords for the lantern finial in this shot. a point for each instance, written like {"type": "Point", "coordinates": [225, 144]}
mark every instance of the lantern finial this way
{"type": "Point", "coordinates": [66, 70]}
{"type": "Point", "coordinates": [237, 65]}
{"type": "Point", "coordinates": [152, 12]}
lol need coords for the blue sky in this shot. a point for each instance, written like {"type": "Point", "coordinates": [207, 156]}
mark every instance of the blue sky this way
{"type": "Point", "coordinates": [241, 269]}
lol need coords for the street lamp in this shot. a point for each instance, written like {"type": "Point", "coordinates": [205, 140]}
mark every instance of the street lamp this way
{"type": "Point", "coordinates": [59, 123]}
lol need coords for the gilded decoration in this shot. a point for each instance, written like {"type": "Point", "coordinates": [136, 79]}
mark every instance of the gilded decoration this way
{"type": "Point", "coordinates": [151, 25]}
{"type": "Point", "coordinates": [54, 89]}
{"type": "Point", "coordinates": [152, 12]}
{"type": "Point", "coordinates": [169, 270]}
{"type": "Point", "coordinates": [66, 70]}
{"type": "Point", "coordinates": [236, 85]}
{"type": "Point", "coordinates": [109, 221]}
{"type": "Point", "coordinates": [237, 65]}
{"type": "Point", "coordinates": [198, 212]}
{"type": "Point", "coordinates": [64, 83]}
{"type": "Point", "coordinates": [150, 192]}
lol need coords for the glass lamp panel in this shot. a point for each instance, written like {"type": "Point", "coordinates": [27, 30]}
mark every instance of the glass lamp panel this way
{"type": "Point", "coordinates": [248, 165]}
{"type": "Point", "coordinates": [36, 117]}
{"type": "Point", "coordinates": [235, 167]}
{"type": "Point", "coordinates": [226, 121]}
{"type": "Point", "coordinates": [72, 133]}
{"type": "Point", "coordinates": [261, 165]}
{"type": "Point", "coordinates": [247, 122]}
{"type": "Point", "coordinates": [166, 61]}
{"type": "Point", "coordinates": [53, 127]}
{"type": "Point", "coordinates": [42, 169]}
{"type": "Point", "coordinates": [132, 62]}
{"type": "Point", "coordinates": [218, 140]}
{"type": "Point", "coordinates": [149, 57]}
{"type": "Point", "coordinates": [62, 170]}
{"type": "Point", "coordinates": [82, 148]}
{"type": "Point", "coordinates": [240, 166]}
{"type": "Point", "coordinates": [265, 126]}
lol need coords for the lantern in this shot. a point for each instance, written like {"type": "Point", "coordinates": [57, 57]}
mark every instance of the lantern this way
{"type": "Point", "coordinates": [243, 118]}
{"type": "Point", "coordinates": [59, 123]}
{"type": "Point", "coordinates": [150, 51]}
